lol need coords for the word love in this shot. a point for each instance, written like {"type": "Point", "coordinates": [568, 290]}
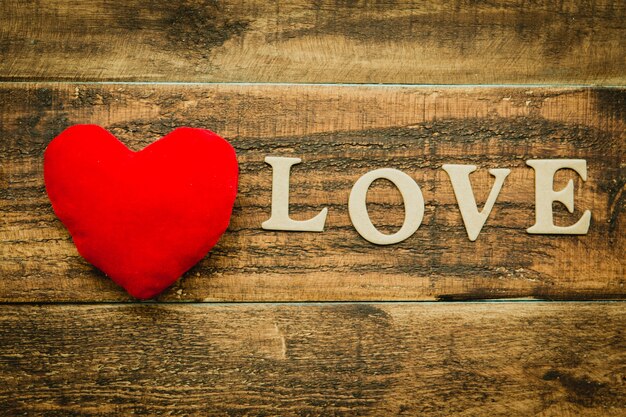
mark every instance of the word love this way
{"type": "Point", "coordinates": [474, 219]}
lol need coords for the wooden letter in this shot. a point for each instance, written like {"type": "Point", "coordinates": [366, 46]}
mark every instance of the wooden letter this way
{"type": "Point", "coordinates": [473, 219]}
{"type": "Point", "coordinates": [413, 206]}
{"type": "Point", "coordinates": [545, 195]}
{"type": "Point", "coordinates": [280, 220]}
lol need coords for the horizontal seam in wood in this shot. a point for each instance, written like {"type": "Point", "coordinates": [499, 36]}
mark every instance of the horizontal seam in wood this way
{"type": "Point", "coordinates": [288, 84]}
{"type": "Point", "coordinates": [302, 303]}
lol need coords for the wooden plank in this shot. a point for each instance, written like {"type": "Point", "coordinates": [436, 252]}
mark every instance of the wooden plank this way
{"type": "Point", "coordinates": [505, 359]}
{"type": "Point", "coordinates": [416, 41]}
{"type": "Point", "coordinates": [340, 133]}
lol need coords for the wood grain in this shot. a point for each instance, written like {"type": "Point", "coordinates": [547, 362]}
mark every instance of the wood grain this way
{"type": "Point", "coordinates": [417, 41]}
{"type": "Point", "coordinates": [340, 133]}
{"type": "Point", "coordinates": [504, 359]}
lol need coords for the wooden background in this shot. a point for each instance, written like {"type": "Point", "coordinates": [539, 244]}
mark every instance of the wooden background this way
{"type": "Point", "coordinates": [278, 323]}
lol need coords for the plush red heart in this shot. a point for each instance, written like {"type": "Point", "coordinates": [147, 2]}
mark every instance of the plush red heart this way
{"type": "Point", "coordinates": [143, 218]}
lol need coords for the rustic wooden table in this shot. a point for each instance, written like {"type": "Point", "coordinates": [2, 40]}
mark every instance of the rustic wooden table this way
{"type": "Point", "coordinates": [278, 323]}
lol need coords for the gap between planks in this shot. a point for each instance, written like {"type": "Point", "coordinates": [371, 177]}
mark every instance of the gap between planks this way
{"type": "Point", "coordinates": [295, 84]}
{"type": "Point", "coordinates": [307, 303]}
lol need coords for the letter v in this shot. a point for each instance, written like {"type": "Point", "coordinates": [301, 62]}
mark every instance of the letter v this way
{"type": "Point", "coordinates": [473, 219]}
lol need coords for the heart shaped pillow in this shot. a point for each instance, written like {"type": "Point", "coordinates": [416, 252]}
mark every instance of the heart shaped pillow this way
{"type": "Point", "coordinates": [143, 218]}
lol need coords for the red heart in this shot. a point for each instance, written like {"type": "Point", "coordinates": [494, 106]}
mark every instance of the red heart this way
{"type": "Point", "coordinates": [143, 218]}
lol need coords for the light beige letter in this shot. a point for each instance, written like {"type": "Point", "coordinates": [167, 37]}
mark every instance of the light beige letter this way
{"type": "Point", "coordinates": [280, 220]}
{"type": "Point", "coordinates": [413, 206]}
{"type": "Point", "coordinates": [473, 219]}
{"type": "Point", "coordinates": [545, 195]}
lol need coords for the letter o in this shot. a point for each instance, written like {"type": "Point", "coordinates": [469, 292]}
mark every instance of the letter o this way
{"type": "Point", "coordinates": [413, 206]}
